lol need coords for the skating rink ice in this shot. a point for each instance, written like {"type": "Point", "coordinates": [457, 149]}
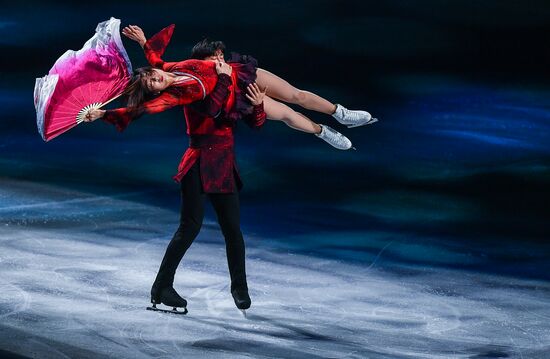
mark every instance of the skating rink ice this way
{"type": "Point", "coordinates": [77, 268]}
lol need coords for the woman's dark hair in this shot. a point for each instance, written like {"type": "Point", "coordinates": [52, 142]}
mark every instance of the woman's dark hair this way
{"type": "Point", "coordinates": [137, 91]}
{"type": "Point", "coordinates": [205, 48]}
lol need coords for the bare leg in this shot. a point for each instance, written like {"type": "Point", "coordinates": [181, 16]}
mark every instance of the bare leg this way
{"type": "Point", "coordinates": [275, 110]}
{"type": "Point", "coordinates": [280, 89]}
{"type": "Point", "coordinates": [279, 111]}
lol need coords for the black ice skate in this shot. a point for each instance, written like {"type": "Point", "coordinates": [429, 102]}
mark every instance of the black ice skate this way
{"type": "Point", "coordinates": [241, 298]}
{"type": "Point", "coordinates": [169, 297]}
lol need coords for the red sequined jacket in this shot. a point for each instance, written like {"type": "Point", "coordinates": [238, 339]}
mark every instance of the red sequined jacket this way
{"type": "Point", "coordinates": [211, 134]}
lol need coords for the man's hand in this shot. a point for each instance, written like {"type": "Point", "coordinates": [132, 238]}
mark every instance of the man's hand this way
{"type": "Point", "coordinates": [135, 33]}
{"type": "Point", "coordinates": [223, 68]}
{"type": "Point", "coordinates": [93, 115]}
{"type": "Point", "coordinates": [255, 95]}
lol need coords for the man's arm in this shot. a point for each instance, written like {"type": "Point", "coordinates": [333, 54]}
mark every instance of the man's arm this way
{"type": "Point", "coordinates": [212, 105]}
{"type": "Point", "coordinates": [257, 119]}
{"type": "Point", "coordinates": [256, 96]}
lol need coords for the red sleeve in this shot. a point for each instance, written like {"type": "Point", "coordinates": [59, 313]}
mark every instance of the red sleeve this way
{"type": "Point", "coordinates": [257, 118]}
{"type": "Point", "coordinates": [175, 96]}
{"type": "Point", "coordinates": [212, 105]}
{"type": "Point", "coordinates": [156, 45]}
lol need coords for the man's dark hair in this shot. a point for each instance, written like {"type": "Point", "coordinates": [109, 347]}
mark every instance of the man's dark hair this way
{"type": "Point", "coordinates": [205, 48]}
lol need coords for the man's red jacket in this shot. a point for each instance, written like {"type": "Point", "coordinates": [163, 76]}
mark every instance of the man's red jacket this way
{"type": "Point", "coordinates": [210, 133]}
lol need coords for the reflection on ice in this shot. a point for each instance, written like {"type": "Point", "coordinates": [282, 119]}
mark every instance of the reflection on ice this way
{"type": "Point", "coordinates": [77, 286]}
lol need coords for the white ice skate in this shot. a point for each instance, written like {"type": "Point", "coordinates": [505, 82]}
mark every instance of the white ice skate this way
{"type": "Point", "coordinates": [334, 138]}
{"type": "Point", "coordinates": [352, 118]}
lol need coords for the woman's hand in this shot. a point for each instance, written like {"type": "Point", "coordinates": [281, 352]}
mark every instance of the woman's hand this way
{"type": "Point", "coordinates": [135, 33]}
{"type": "Point", "coordinates": [93, 115]}
{"type": "Point", "coordinates": [255, 95]}
{"type": "Point", "coordinates": [223, 68]}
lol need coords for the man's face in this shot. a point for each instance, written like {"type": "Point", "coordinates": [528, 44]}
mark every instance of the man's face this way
{"type": "Point", "coordinates": [218, 56]}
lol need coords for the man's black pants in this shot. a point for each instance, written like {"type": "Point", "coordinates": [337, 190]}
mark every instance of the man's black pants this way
{"type": "Point", "coordinates": [226, 206]}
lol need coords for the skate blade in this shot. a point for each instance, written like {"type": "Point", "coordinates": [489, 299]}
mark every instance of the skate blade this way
{"type": "Point", "coordinates": [243, 312]}
{"type": "Point", "coordinates": [369, 122]}
{"type": "Point", "coordinates": [172, 311]}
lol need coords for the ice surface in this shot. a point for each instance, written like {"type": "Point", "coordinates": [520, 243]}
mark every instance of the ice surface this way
{"type": "Point", "coordinates": [77, 269]}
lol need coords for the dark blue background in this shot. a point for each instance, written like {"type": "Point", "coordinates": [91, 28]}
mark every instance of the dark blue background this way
{"type": "Point", "coordinates": [456, 172]}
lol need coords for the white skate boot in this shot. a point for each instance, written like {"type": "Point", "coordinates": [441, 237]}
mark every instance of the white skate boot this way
{"type": "Point", "coordinates": [334, 138]}
{"type": "Point", "coordinates": [352, 118]}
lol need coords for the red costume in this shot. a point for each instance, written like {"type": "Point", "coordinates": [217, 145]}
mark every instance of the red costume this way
{"type": "Point", "coordinates": [210, 121]}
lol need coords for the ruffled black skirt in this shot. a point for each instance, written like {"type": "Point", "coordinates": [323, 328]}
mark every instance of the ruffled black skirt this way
{"type": "Point", "coordinates": [245, 66]}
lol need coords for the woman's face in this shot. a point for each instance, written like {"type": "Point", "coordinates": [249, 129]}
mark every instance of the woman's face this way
{"type": "Point", "coordinates": [156, 81]}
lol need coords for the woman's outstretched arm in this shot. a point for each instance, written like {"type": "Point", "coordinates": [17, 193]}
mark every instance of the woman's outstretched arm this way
{"type": "Point", "coordinates": [121, 117]}
{"type": "Point", "coordinates": [153, 47]}
{"type": "Point", "coordinates": [176, 96]}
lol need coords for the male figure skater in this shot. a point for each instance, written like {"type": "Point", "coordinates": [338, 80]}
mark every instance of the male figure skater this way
{"type": "Point", "coordinates": [208, 169]}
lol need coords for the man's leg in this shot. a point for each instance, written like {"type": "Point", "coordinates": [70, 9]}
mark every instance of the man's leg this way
{"type": "Point", "coordinates": [191, 216]}
{"type": "Point", "coordinates": [227, 210]}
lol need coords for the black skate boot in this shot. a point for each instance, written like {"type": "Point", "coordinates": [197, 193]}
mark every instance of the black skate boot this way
{"type": "Point", "coordinates": [241, 298]}
{"type": "Point", "coordinates": [169, 297]}
{"type": "Point", "coordinates": [155, 295]}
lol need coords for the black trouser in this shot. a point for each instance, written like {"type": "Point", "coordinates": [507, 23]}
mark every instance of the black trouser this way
{"type": "Point", "coordinates": [226, 206]}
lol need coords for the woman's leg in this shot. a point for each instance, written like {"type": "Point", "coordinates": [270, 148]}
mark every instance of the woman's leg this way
{"type": "Point", "coordinates": [280, 89]}
{"type": "Point", "coordinates": [278, 111]}
{"type": "Point", "coordinates": [275, 110]}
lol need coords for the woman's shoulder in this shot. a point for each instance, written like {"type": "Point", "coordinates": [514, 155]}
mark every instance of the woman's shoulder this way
{"type": "Point", "coordinates": [199, 67]}
{"type": "Point", "coordinates": [197, 63]}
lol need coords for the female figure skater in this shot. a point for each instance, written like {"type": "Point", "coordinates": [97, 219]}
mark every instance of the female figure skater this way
{"type": "Point", "coordinates": [164, 77]}
{"type": "Point", "coordinates": [280, 89]}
